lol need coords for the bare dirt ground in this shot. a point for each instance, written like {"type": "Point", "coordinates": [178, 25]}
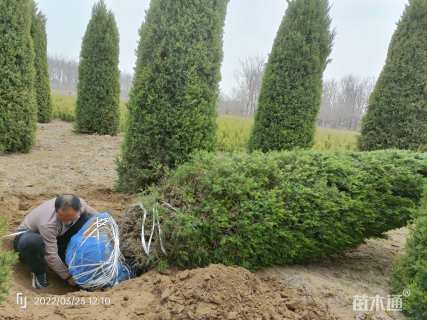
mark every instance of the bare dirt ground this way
{"type": "Point", "coordinates": [62, 162]}
{"type": "Point", "coordinates": [363, 271]}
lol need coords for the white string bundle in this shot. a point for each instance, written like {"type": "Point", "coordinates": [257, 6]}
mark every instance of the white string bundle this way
{"type": "Point", "coordinates": [146, 245]}
{"type": "Point", "coordinates": [105, 272]}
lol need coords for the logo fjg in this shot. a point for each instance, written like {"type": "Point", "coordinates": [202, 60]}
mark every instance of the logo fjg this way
{"type": "Point", "coordinates": [21, 300]}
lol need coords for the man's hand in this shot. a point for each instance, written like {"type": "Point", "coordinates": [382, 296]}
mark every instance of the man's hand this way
{"type": "Point", "coordinates": [71, 282]}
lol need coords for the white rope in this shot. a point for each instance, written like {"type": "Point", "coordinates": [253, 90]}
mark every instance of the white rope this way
{"type": "Point", "coordinates": [160, 230]}
{"type": "Point", "coordinates": [146, 245]}
{"type": "Point", "coordinates": [104, 273]}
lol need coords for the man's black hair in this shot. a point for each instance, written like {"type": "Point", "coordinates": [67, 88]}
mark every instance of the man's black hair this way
{"type": "Point", "coordinates": [66, 201]}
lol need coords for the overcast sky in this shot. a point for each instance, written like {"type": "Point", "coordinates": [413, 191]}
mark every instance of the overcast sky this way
{"type": "Point", "coordinates": [363, 27]}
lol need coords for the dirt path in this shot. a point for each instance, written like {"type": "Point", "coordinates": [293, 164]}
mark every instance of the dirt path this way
{"type": "Point", "coordinates": [65, 162]}
{"type": "Point", "coordinates": [61, 161]}
{"type": "Point", "coordinates": [364, 271]}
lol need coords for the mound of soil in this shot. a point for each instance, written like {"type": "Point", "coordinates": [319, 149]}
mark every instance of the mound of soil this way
{"type": "Point", "coordinates": [220, 292]}
{"type": "Point", "coordinates": [215, 292]}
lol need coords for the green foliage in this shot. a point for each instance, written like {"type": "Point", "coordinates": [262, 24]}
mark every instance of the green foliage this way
{"type": "Point", "coordinates": [7, 259]}
{"type": "Point", "coordinates": [292, 86]}
{"type": "Point", "coordinates": [257, 210]}
{"type": "Point", "coordinates": [172, 107]}
{"type": "Point", "coordinates": [410, 272]}
{"type": "Point", "coordinates": [99, 75]}
{"type": "Point", "coordinates": [397, 113]}
{"type": "Point", "coordinates": [18, 114]}
{"type": "Point", "coordinates": [42, 82]}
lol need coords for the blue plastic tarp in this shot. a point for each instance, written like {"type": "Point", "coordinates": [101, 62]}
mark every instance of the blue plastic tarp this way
{"type": "Point", "coordinates": [84, 255]}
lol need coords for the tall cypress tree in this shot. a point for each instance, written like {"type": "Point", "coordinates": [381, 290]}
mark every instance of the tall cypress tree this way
{"type": "Point", "coordinates": [292, 86]}
{"type": "Point", "coordinates": [172, 107]}
{"type": "Point", "coordinates": [42, 83]}
{"type": "Point", "coordinates": [18, 114]}
{"type": "Point", "coordinates": [98, 96]}
{"type": "Point", "coordinates": [397, 112]}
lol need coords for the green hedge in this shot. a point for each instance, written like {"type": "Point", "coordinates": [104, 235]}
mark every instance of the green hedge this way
{"type": "Point", "coordinates": [410, 272]}
{"type": "Point", "coordinates": [259, 209]}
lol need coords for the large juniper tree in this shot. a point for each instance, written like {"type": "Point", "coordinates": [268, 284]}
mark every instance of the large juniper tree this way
{"type": "Point", "coordinates": [42, 83]}
{"type": "Point", "coordinates": [397, 112]}
{"type": "Point", "coordinates": [172, 108]}
{"type": "Point", "coordinates": [98, 96]}
{"type": "Point", "coordinates": [292, 86]}
{"type": "Point", "coordinates": [18, 115]}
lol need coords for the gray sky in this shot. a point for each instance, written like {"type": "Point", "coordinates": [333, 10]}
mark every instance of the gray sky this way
{"type": "Point", "coordinates": [364, 29]}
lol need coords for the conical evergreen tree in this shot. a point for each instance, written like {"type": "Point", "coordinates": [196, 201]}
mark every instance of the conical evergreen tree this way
{"type": "Point", "coordinates": [98, 96]}
{"type": "Point", "coordinates": [42, 82]}
{"type": "Point", "coordinates": [172, 107]}
{"type": "Point", "coordinates": [18, 114]}
{"type": "Point", "coordinates": [397, 112]}
{"type": "Point", "coordinates": [292, 86]}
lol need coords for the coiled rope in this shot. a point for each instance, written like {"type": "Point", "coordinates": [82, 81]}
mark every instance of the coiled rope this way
{"type": "Point", "coordinates": [104, 273]}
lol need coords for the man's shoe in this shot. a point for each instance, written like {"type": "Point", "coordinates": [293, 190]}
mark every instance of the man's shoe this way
{"type": "Point", "coordinates": [39, 281]}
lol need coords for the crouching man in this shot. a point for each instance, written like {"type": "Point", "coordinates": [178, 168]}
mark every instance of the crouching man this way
{"type": "Point", "coordinates": [47, 231]}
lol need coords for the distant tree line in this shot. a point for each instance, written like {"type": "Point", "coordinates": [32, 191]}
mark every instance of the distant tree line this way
{"type": "Point", "coordinates": [64, 77]}
{"type": "Point", "coordinates": [344, 101]}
